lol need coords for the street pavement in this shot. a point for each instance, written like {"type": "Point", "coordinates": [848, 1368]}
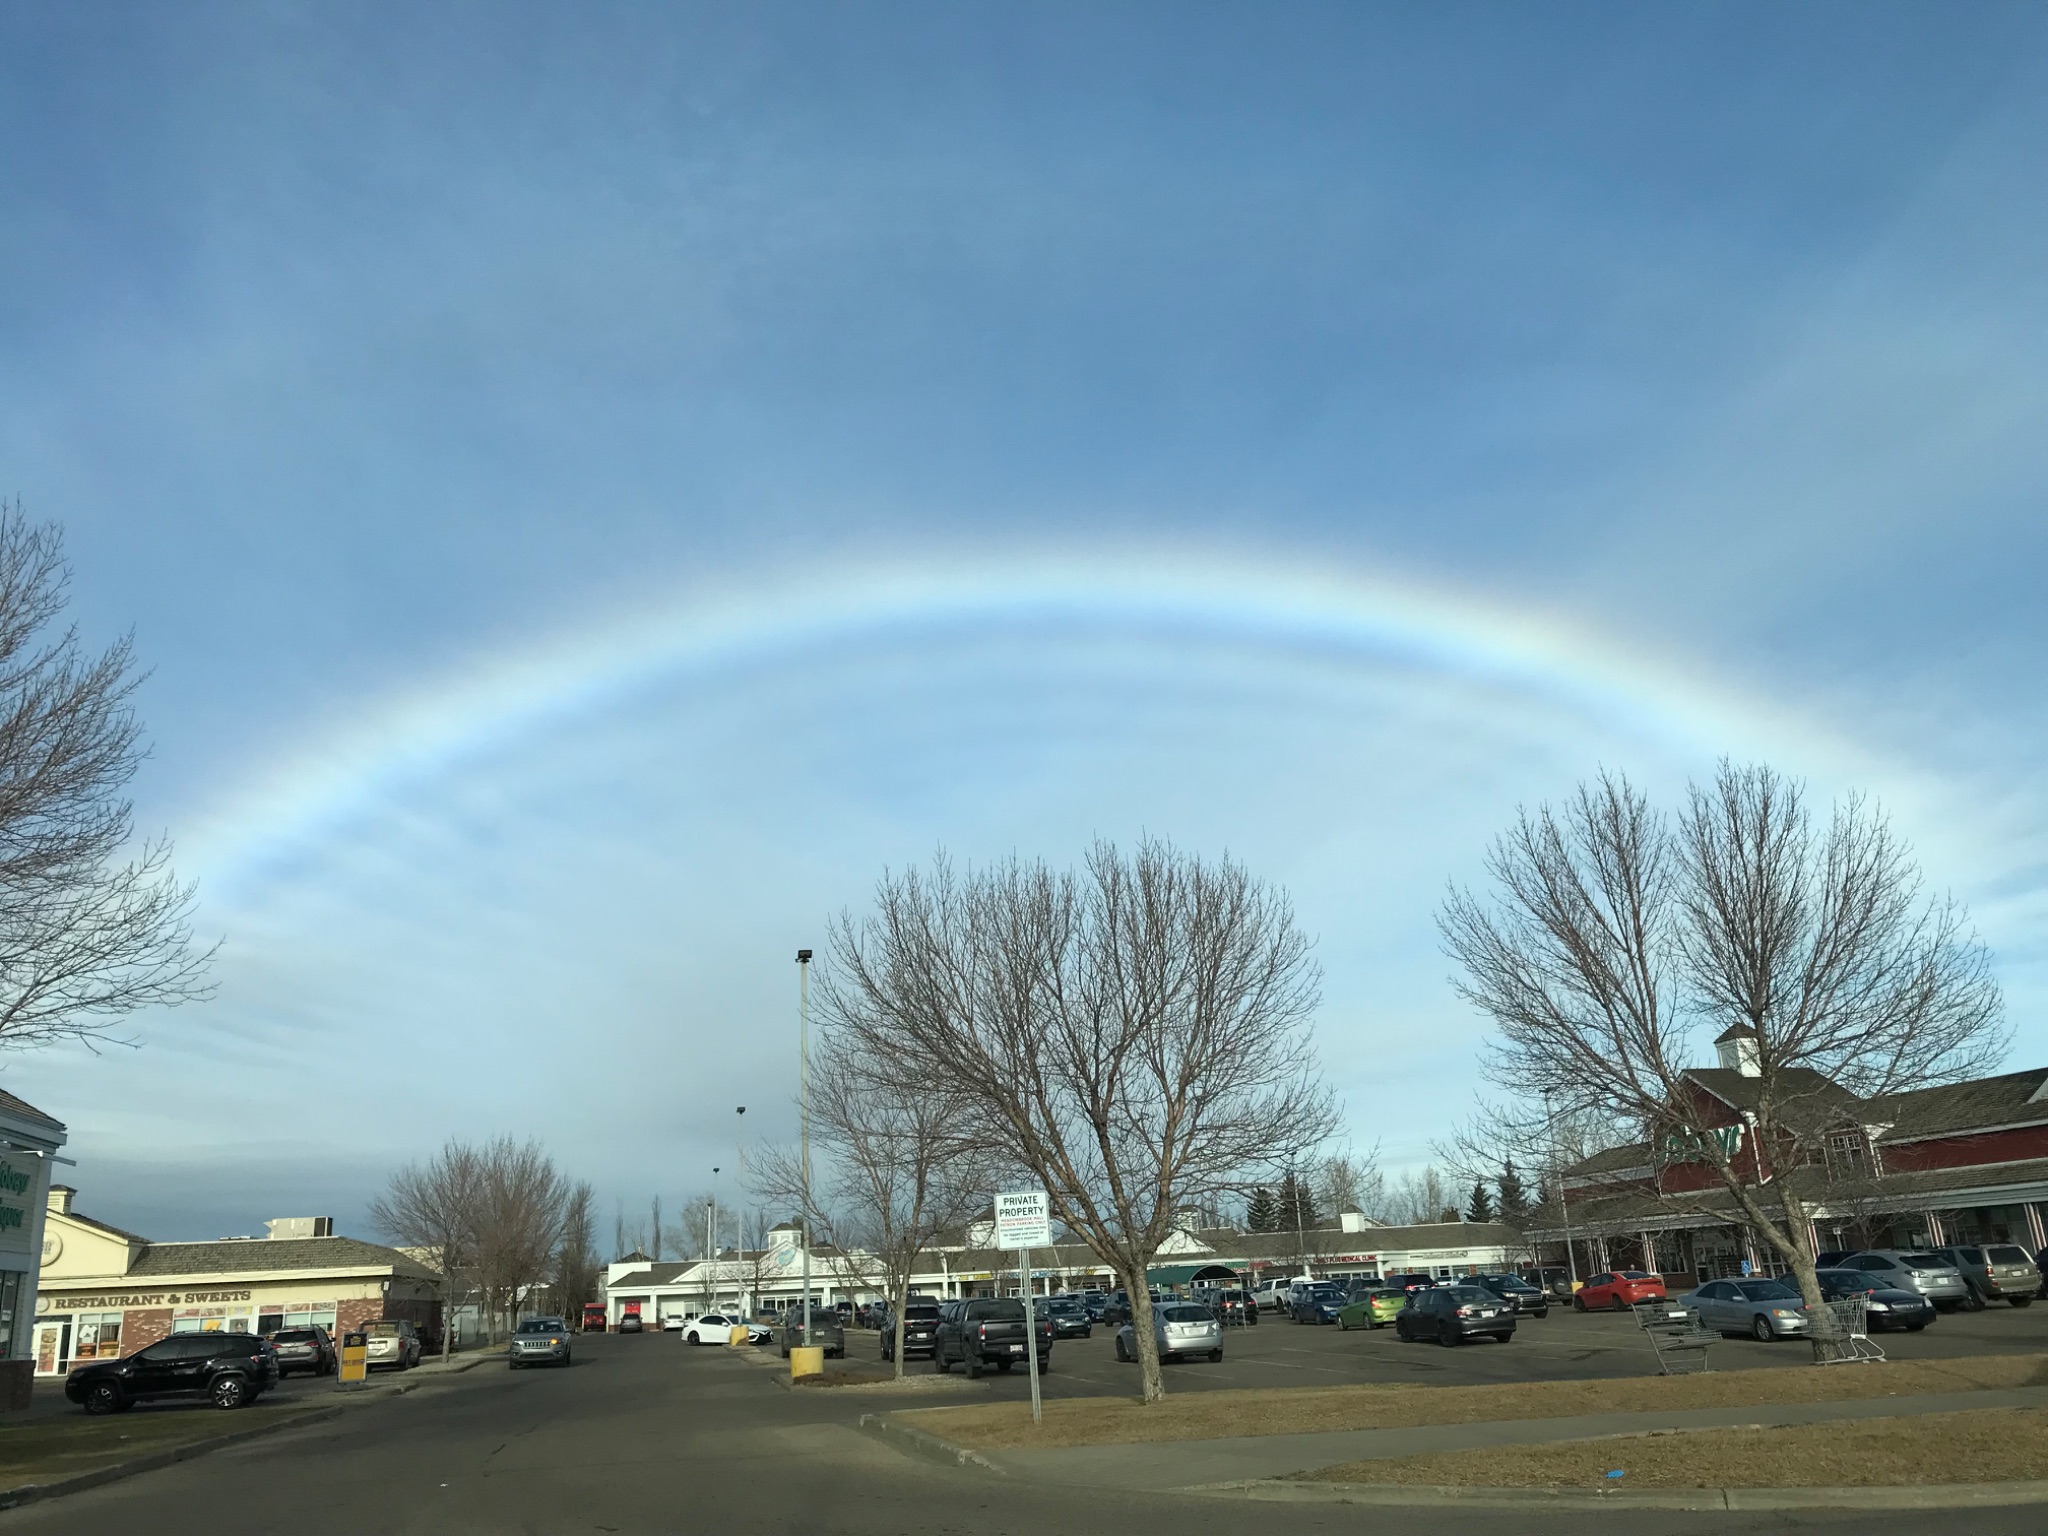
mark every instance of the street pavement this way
{"type": "Point", "coordinates": [646, 1435]}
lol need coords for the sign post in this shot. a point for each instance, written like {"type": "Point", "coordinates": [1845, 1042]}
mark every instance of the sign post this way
{"type": "Point", "coordinates": [1024, 1222]}
{"type": "Point", "coordinates": [355, 1359]}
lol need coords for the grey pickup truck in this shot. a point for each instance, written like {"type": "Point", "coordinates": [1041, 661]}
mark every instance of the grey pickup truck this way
{"type": "Point", "coordinates": [987, 1332]}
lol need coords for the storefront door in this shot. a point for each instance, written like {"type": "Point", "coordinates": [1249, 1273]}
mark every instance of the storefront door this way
{"type": "Point", "coordinates": [53, 1347]}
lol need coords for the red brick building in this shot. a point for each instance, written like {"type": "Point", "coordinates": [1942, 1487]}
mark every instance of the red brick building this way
{"type": "Point", "coordinates": [1959, 1164]}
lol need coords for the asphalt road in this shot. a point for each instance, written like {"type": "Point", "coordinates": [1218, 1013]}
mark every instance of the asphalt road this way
{"type": "Point", "coordinates": [644, 1435]}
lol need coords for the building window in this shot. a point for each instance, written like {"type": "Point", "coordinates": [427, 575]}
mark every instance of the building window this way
{"type": "Point", "coordinates": [1848, 1153]}
{"type": "Point", "coordinates": [96, 1336]}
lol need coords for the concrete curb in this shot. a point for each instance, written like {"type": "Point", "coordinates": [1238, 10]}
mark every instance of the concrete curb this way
{"type": "Point", "coordinates": [1417, 1495]}
{"type": "Point", "coordinates": [35, 1493]}
{"type": "Point", "coordinates": [925, 1445]}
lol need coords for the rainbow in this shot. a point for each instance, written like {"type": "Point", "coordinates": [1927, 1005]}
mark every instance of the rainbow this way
{"type": "Point", "coordinates": [1359, 618]}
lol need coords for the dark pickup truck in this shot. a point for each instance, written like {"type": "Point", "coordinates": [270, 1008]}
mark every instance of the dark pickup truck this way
{"type": "Point", "coordinates": [987, 1332]}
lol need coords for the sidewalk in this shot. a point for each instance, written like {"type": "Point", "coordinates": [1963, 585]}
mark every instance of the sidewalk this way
{"type": "Point", "coordinates": [1160, 1467]}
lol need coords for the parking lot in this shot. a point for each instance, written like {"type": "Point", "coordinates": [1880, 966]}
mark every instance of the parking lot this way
{"type": "Point", "coordinates": [1564, 1346]}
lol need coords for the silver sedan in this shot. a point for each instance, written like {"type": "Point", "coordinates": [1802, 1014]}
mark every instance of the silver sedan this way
{"type": "Point", "coordinates": [1179, 1329]}
{"type": "Point", "coordinates": [1763, 1309]}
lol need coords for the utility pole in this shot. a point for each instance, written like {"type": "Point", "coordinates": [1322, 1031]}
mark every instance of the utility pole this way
{"type": "Point", "coordinates": [746, 1297]}
{"type": "Point", "coordinates": [803, 1037]}
{"type": "Point", "coordinates": [711, 1244]}
{"type": "Point", "coordinates": [1571, 1261]}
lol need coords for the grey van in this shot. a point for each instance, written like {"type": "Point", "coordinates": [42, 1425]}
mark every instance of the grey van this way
{"type": "Point", "coordinates": [1996, 1272]}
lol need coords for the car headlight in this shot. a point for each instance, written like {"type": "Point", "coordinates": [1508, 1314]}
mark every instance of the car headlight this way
{"type": "Point", "coordinates": [1879, 1306]}
{"type": "Point", "coordinates": [1784, 1311]}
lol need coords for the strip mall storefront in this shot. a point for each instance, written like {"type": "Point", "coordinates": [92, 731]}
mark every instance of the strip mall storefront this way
{"type": "Point", "coordinates": [105, 1293]}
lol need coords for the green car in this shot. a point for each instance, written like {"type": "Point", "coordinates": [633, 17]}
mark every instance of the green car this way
{"type": "Point", "coordinates": [1372, 1309]}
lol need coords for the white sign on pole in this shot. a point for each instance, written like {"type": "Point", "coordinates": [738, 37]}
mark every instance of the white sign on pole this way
{"type": "Point", "coordinates": [1024, 1219]}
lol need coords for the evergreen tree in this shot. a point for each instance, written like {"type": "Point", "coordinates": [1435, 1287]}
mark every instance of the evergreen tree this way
{"type": "Point", "coordinates": [1262, 1211]}
{"type": "Point", "coordinates": [1297, 1205]}
{"type": "Point", "coordinates": [1514, 1199]}
{"type": "Point", "coordinates": [1481, 1208]}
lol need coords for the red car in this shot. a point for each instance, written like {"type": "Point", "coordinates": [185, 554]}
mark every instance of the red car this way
{"type": "Point", "coordinates": [1617, 1291]}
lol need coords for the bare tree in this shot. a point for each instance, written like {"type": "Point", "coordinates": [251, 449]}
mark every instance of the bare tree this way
{"type": "Point", "coordinates": [899, 1163]}
{"type": "Point", "coordinates": [435, 1206]}
{"type": "Point", "coordinates": [522, 1200]}
{"type": "Point", "coordinates": [91, 929]}
{"type": "Point", "coordinates": [576, 1266]}
{"type": "Point", "coordinates": [1352, 1181]}
{"type": "Point", "coordinates": [1134, 1036]}
{"type": "Point", "coordinates": [1613, 937]}
{"type": "Point", "coordinates": [1418, 1197]}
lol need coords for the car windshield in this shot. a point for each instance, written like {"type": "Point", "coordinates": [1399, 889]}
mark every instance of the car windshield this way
{"type": "Point", "coordinates": [2009, 1256]}
{"type": "Point", "coordinates": [1325, 1288]}
{"type": "Point", "coordinates": [1635, 1274]}
{"type": "Point", "coordinates": [384, 1329]}
{"type": "Point", "coordinates": [1925, 1261]}
{"type": "Point", "coordinates": [1768, 1290]}
{"type": "Point", "coordinates": [541, 1325]}
{"type": "Point", "coordinates": [915, 1312]}
{"type": "Point", "coordinates": [295, 1336]}
{"type": "Point", "coordinates": [1470, 1293]}
{"type": "Point", "coordinates": [1062, 1303]}
{"type": "Point", "coordinates": [1005, 1311]}
{"type": "Point", "coordinates": [1185, 1314]}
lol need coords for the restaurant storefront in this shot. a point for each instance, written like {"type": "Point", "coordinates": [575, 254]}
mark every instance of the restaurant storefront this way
{"type": "Point", "coordinates": [106, 1293]}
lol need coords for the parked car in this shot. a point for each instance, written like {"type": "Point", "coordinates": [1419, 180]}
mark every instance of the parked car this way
{"type": "Point", "coordinates": [1553, 1282]}
{"type": "Point", "coordinates": [673, 1322]}
{"type": "Point", "coordinates": [1765, 1309]}
{"type": "Point", "coordinates": [920, 1329]}
{"type": "Point", "coordinates": [392, 1342]}
{"type": "Point", "coordinates": [1451, 1314]}
{"type": "Point", "coordinates": [1070, 1319]}
{"type": "Point", "coordinates": [1095, 1301]}
{"type": "Point", "coordinates": [1374, 1307]}
{"type": "Point", "coordinates": [1526, 1299]}
{"type": "Point", "coordinates": [539, 1341]}
{"type": "Point", "coordinates": [1272, 1292]}
{"type": "Point", "coordinates": [987, 1331]}
{"type": "Point", "coordinates": [1888, 1307]}
{"type": "Point", "coordinates": [1831, 1258]}
{"type": "Point", "coordinates": [629, 1322]}
{"type": "Point", "coordinates": [827, 1331]}
{"type": "Point", "coordinates": [1234, 1308]}
{"type": "Point", "coordinates": [1900, 1269]}
{"type": "Point", "coordinates": [1319, 1302]}
{"type": "Point", "coordinates": [1617, 1290]}
{"type": "Point", "coordinates": [1995, 1272]}
{"type": "Point", "coordinates": [229, 1370]}
{"type": "Point", "coordinates": [1179, 1329]}
{"type": "Point", "coordinates": [304, 1349]}
{"type": "Point", "coordinates": [1409, 1283]}
{"type": "Point", "coordinates": [714, 1328]}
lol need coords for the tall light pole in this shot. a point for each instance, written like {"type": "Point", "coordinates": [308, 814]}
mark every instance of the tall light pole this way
{"type": "Point", "coordinates": [746, 1301]}
{"type": "Point", "coordinates": [1571, 1261]}
{"type": "Point", "coordinates": [803, 1081]}
{"type": "Point", "coordinates": [711, 1244]}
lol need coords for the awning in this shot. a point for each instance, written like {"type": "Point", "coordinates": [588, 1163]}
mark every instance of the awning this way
{"type": "Point", "coordinates": [1187, 1274]}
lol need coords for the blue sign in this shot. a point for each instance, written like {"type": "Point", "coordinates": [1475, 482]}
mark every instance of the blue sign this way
{"type": "Point", "coordinates": [1745, 1266]}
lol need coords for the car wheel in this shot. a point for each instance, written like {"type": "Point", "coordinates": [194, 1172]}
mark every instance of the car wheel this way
{"type": "Point", "coordinates": [228, 1392]}
{"type": "Point", "coordinates": [2021, 1301]}
{"type": "Point", "coordinates": [1761, 1330]}
{"type": "Point", "coordinates": [1447, 1334]}
{"type": "Point", "coordinates": [104, 1397]}
{"type": "Point", "coordinates": [568, 1360]}
{"type": "Point", "coordinates": [1973, 1302]}
{"type": "Point", "coordinates": [940, 1363]}
{"type": "Point", "coordinates": [973, 1367]}
{"type": "Point", "coordinates": [1215, 1357]}
{"type": "Point", "coordinates": [1578, 1303]}
{"type": "Point", "coordinates": [1541, 1312]}
{"type": "Point", "coordinates": [1914, 1327]}
{"type": "Point", "coordinates": [1122, 1354]}
{"type": "Point", "coordinates": [1004, 1366]}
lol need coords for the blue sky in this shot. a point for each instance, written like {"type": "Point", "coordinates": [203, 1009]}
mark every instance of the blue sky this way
{"type": "Point", "coordinates": [596, 485]}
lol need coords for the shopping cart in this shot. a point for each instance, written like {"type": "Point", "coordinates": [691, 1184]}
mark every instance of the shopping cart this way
{"type": "Point", "coordinates": [1676, 1337]}
{"type": "Point", "coordinates": [1852, 1341]}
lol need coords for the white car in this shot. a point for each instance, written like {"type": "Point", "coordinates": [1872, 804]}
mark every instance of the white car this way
{"type": "Point", "coordinates": [717, 1327]}
{"type": "Point", "coordinates": [673, 1322]}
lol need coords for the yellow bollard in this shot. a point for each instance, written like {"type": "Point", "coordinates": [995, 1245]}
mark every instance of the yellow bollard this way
{"type": "Point", "coordinates": [739, 1334]}
{"type": "Point", "coordinates": [806, 1360]}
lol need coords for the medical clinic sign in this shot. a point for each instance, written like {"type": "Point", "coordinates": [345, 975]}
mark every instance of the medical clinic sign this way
{"type": "Point", "coordinates": [1024, 1219]}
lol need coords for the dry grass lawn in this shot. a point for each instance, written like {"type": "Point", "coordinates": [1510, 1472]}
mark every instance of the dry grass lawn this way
{"type": "Point", "coordinates": [40, 1450]}
{"type": "Point", "coordinates": [1985, 1446]}
{"type": "Point", "coordinates": [1305, 1410]}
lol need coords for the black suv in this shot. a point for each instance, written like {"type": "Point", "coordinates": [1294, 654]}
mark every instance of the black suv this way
{"type": "Point", "coordinates": [229, 1370]}
{"type": "Point", "coordinates": [988, 1332]}
{"type": "Point", "coordinates": [920, 1329]}
{"type": "Point", "coordinates": [1518, 1293]}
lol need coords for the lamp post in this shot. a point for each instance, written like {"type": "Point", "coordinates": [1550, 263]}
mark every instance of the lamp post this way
{"type": "Point", "coordinates": [746, 1301]}
{"type": "Point", "coordinates": [1564, 1210]}
{"type": "Point", "coordinates": [803, 1038]}
{"type": "Point", "coordinates": [711, 1245]}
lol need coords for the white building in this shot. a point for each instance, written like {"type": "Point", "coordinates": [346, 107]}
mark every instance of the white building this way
{"type": "Point", "coordinates": [29, 1140]}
